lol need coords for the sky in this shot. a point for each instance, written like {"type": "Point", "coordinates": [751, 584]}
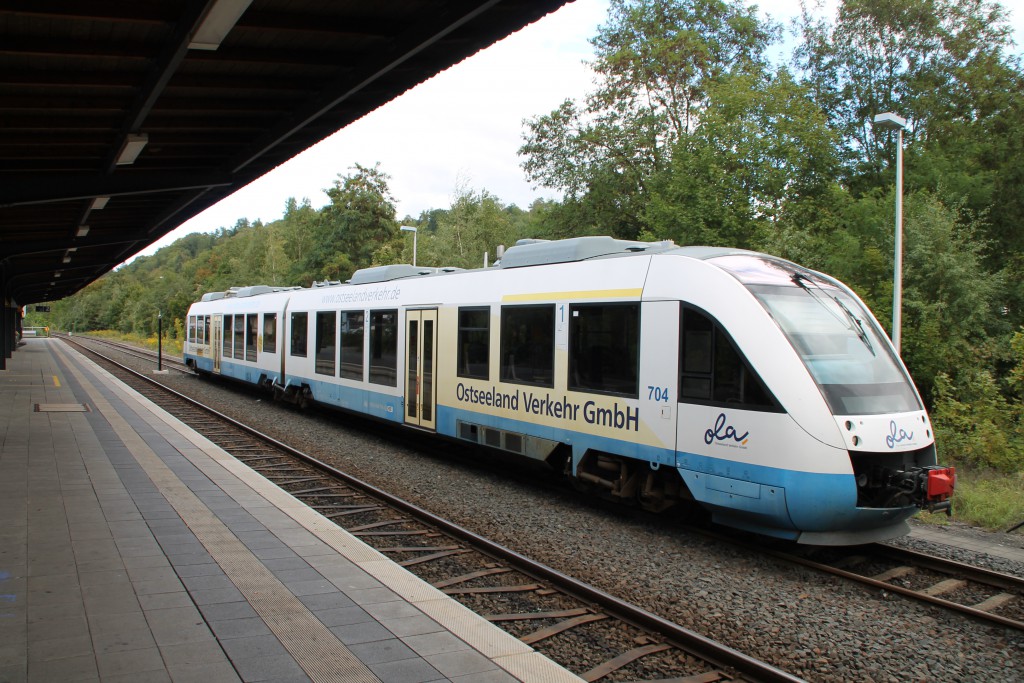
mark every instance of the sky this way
{"type": "Point", "coordinates": [460, 129]}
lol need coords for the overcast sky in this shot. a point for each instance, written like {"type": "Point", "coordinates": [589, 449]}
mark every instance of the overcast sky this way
{"type": "Point", "coordinates": [462, 128]}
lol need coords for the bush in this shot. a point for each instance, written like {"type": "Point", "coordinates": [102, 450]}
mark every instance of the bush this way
{"type": "Point", "coordinates": [976, 426]}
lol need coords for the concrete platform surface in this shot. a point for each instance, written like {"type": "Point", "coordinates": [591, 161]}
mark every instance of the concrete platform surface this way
{"type": "Point", "coordinates": [133, 549]}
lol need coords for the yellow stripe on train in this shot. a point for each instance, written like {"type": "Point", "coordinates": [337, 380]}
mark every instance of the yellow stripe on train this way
{"type": "Point", "coordinates": [593, 294]}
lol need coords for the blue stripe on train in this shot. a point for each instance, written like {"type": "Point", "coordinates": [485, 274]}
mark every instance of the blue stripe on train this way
{"type": "Point", "coordinates": [770, 500]}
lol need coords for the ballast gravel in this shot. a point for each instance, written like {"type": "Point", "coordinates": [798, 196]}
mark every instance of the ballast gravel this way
{"type": "Point", "coordinates": [814, 626]}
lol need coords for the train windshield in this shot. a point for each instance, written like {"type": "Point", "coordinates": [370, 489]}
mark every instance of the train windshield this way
{"type": "Point", "coordinates": [839, 342]}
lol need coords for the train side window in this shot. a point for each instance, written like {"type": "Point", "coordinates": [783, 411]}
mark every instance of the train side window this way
{"type": "Point", "coordinates": [206, 326]}
{"type": "Point", "coordinates": [270, 332]}
{"type": "Point", "coordinates": [604, 348]}
{"type": "Point", "coordinates": [251, 332]}
{"type": "Point", "coordinates": [528, 344]}
{"type": "Point", "coordinates": [300, 334]}
{"type": "Point", "coordinates": [351, 359]}
{"type": "Point", "coordinates": [712, 369]}
{"type": "Point", "coordinates": [474, 343]}
{"type": "Point", "coordinates": [239, 337]}
{"type": "Point", "coordinates": [384, 347]}
{"type": "Point", "coordinates": [228, 335]}
{"type": "Point", "coordinates": [191, 329]}
{"type": "Point", "coordinates": [326, 331]}
{"type": "Point", "coordinates": [200, 338]}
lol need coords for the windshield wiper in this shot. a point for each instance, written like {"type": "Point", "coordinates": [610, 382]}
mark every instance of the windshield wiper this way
{"type": "Point", "coordinates": [854, 323]}
{"type": "Point", "coordinates": [857, 326]}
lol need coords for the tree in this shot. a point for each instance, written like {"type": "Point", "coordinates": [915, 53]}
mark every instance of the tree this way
{"type": "Point", "coordinates": [761, 152]}
{"type": "Point", "coordinates": [359, 221]}
{"type": "Point", "coordinates": [476, 224]}
{"type": "Point", "coordinates": [656, 61]}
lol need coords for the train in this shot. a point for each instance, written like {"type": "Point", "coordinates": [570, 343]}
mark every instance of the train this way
{"type": "Point", "coordinates": [660, 375]}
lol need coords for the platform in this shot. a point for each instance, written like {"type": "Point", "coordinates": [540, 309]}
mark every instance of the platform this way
{"type": "Point", "coordinates": [133, 549]}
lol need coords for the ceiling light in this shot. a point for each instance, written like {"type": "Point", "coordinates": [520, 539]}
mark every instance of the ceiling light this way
{"type": "Point", "coordinates": [217, 23]}
{"type": "Point", "coordinates": [99, 203]}
{"type": "Point", "coordinates": [58, 273]}
{"type": "Point", "coordinates": [67, 258]}
{"type": "Point", "coordinates": [132, 148]}
{"type": "Point", "coordinates": [83, 230]}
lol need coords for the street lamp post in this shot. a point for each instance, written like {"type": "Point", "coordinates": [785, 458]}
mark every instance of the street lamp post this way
{"type": "Point", "coordinates": [415, 235]}
{"type": "Point", "coordinates": [890, 121]}
{"type": "Point", "coordinates": [159, 341]}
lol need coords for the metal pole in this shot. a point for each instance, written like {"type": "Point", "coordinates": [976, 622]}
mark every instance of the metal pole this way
{"type": "Point", "coordinates": [159, 341]}
{"type": "Point", "coordinates": [415, 236]}
{"type": "Point", "coordinates": [897, 290]}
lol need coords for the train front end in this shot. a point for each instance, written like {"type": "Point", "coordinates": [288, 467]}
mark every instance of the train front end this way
{"type": "Point", "coordinates": [879, 418]}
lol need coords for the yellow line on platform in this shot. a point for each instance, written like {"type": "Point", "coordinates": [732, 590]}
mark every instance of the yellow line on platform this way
{"type": "Point", "coordinates": [56, 382]}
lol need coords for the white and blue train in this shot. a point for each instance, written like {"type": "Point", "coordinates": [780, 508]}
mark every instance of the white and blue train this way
{"type": "Point", "coordinates": [761, 390]}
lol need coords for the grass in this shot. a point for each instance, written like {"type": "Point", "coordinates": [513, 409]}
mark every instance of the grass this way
{"type": "Point", "coordinates": [990, 500]}
{"type": "Point", "coordinates": [171, 347]}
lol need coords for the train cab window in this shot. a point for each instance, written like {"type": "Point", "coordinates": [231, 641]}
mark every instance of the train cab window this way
{"type": "Point", "coordinates": [239, 336]}
{"type": "Point", "coordinates": [474, 343]}
{"type": "Point", "coordinates": [326, 332]}
{"type": "Point", "coordinates": [191, 329]}
{"type": "Point", "coordinates": [351, 358]}
{"type": "Point", "coordinates": [384, 347]}
{"type": "Point", "coordinates": [251, 333]}
{"type": "Point", "coordinates": [228, 335]}
{"type": "Point", "coordinates": [206, 327]}
{"type": "Point", "coordinates": [300, 334]}
{"type": "Point", "coordinates": [604, 348]}
{"type": "Point", "coordinates": [528, 344]}
{"type": "Point", "coordinates": [712, 370]}
{"type": "Point", "coordinates": [270, 332]}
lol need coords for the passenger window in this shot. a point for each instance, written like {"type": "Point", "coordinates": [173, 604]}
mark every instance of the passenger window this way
{"type": "Point", "coordinates": [712, 369]}
{"type": "Point", "coordinates": [474, 343]}
{"type": "Point", "coordinates": [228, 336]}
{"type": "Point", "coordinates": [200, 337]}
{"type": "Point", "coordinates": [239, 337]}
{"type": "Point", "coordinates": [270, 333]}
{"type": "Point", "coordinates": [528, 344]}
{"type": "Point", "coordinates": [191, 329]}
{"type": "Point", "coordinates": [384, 347]}
{"type": "Point", "coordinates": [352, 345]}
{"type": "Point", "coordinates": [207, 327]}
{"type": "Point", "coordinates": [604, 348]}
{"type": "Point", "coordinates": [326, 329]}
{"type": "Point", "coordinates": [300, 334]}
{"type": "Point", "coordinates": [251, 332]}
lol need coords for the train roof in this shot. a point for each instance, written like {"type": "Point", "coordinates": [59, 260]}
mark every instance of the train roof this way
{"type": "Point", "coordinates": [525, 253]}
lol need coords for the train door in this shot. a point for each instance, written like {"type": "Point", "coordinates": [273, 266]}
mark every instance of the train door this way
{"type": "Point", "coordinates": [216, 348]}
{"type": "Point", "coordinates": [420, 356]}
{"type": "Point", "coordinates": [659, 355]}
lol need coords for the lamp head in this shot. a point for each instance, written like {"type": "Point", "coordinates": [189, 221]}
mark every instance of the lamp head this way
{"type": "Point", "coordinates": [890, 121]}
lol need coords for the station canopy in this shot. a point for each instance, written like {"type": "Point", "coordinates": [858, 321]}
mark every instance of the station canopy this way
{"type": "Point", "coordinates": [122, 120]}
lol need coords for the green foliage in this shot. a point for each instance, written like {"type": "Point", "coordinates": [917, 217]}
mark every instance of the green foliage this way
{"type": "Point", "coordinates": [976, 425]}
{"type": "Point", "coordinates": [476, 224]}
{"type": "Point", "coordinates": [656, 61]}
{"type": "Point", "coordinates": [358, 222]}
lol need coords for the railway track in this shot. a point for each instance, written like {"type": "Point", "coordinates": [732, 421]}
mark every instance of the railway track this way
{"type": "Point", "coordinates": [168, 362]}
{"type": "Point", "coordinates": [592, 633]}
{"type": "Point", "coordinates": [981, 594]}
